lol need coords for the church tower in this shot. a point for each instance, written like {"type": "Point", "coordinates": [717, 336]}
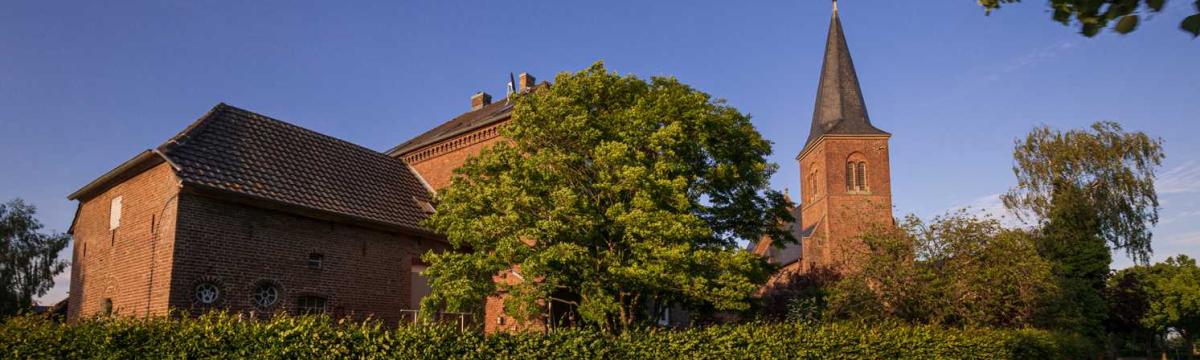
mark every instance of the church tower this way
{"type": "Point", "coordinates": [844, 171]}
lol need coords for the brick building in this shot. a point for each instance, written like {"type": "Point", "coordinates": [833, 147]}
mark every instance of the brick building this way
{"type": "Point", "coordinates": [247, 213]}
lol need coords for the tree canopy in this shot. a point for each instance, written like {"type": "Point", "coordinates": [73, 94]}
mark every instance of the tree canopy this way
{"type": "Point", "coordinates": [958, 269]}
{"type": "Point", "coordinates": [1159, 298]}
{"type": "Point", "coordinates": [1094, 15]}
{"type": "Point", "coordinates": [28, 257]}
{"type": "Point", "coordinates": [1113, 170]}
{"type": "Point", "coordinates": [612, 195]}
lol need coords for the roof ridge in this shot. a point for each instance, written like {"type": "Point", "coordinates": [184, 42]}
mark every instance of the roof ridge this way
{"type": "Point", "coordinates": [492, 110]}
{"type": "Point", "coordinates": [192, 129]}
{"type": "Point", "coordinates": [304, 129]}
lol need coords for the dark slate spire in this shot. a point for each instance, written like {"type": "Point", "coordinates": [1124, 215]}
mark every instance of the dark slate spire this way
{"type": "Point", "coordinates": [840, 108]}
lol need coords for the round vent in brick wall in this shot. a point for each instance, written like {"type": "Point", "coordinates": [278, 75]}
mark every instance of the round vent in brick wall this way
{"type": "Point", "coordinates": [266, 294]}
{"type": "Point", "coordinates": [208, 291]}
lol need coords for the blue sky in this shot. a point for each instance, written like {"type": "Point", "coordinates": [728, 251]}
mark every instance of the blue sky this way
{"type": "Point", "coordinates": [87, 85]}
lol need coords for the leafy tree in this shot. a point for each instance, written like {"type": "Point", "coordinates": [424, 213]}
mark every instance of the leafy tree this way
{"type": "Point", "coordinates": [958, 269]}
{"type": "Point", "coordinates": [1095, 15]}
{"type": "Point", "coordinates": [1128, 302]}
{"type": "Point", "coordinates": [1113, 170]}
{"type": "Point", "coordinates": [1174, 292]}
{"type": "Point", "coordinates": [1070, 240]}
{"type": "Point", "coordinates": [1158, 298]}
{"type": "Point", "coordinates": [612, 193]}
{"type": "Point", "coordinates": [28, 258]}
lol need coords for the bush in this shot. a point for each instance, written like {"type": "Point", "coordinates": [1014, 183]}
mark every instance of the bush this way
{"type": "Point", "coordinates": [228, 336]}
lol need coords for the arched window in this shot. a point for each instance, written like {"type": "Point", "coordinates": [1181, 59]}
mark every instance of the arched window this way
{"type": "Point", "coordinates": [812, 183]}
{"type": "Point", "coordinates": [860, 176]}
{"type": "Point", "coordinates": [850, 176]}
{"type": "Point", "coordinates": [856, 173]}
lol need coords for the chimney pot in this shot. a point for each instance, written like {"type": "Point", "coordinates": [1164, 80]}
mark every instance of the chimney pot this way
{"type": "Point", "coordinates": [479, 100]}
{"type": "Point", "coordinates": [527, 82]}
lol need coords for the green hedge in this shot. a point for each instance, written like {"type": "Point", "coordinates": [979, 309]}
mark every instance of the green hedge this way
{"type": "Point", "coordinates": [223, 336]}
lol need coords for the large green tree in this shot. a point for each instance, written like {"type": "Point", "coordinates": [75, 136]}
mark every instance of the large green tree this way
{"type": "Point", "coordinates": [1094, 15]}
{"type": "Point", "coordinates": [1112, 170]}
{"type": "Point", "coordinates": [1071, 241]}
{"type": "Point", "coordinates": [1086, 191]}
{"type": "Point", "coordinates": [614, 195]}
{"type": "Point", "coordinates": [28, 257]}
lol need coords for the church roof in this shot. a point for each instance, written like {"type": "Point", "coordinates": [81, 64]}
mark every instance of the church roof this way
{"type": "Point", "coordinates": [839, 109]}
{"type": "Point", "coordinates": [252, 156]}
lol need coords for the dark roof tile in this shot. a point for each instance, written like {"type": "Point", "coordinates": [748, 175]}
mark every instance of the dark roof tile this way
{"type": "Point", "coordinates": [249, 154]}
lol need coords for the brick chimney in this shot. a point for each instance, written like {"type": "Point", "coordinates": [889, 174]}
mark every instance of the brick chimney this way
{"type": "Point", "coordinates": [527, 81]}
{"type": "Point", "coordinates": [479, 100]}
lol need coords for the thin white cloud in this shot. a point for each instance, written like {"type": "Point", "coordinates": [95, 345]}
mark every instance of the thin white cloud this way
{"type": "Point", "coordinates": [1035, 57]}
{"type": "Point", "coordinates": [990, 206]}
{"type": "Point", "coordinates": [1184, 178]}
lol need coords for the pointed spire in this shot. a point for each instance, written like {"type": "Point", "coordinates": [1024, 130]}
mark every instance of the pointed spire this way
{"type": "Point", "coordinates": [840, 108]}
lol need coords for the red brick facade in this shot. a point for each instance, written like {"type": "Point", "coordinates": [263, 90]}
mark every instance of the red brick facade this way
{"type": "Point", "coordinates": [362, 272]}
{"type": "Point", "coordinates": [835, 212]}
{"type": "Point", "coordinates": [131, 265]}
{"type": "Point", "coordinates": [239, 202]}
{"type": "Point", "coordinates": [436, 162]}
{"type": "Point", "coordinates": [236, 246]}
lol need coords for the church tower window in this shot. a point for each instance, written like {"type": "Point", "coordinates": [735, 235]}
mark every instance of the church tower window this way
{"type": "Point", "coordinates": [860, 176]}
{"type": "Point", "coordinates": [850, 176]}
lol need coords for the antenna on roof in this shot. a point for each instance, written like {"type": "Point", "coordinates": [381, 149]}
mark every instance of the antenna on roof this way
{"type": "Point", "coordinates": [512, 83]}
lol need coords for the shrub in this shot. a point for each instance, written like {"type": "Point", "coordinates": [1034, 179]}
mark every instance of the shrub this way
{"type": "Point", "coordinates": [228, 336]}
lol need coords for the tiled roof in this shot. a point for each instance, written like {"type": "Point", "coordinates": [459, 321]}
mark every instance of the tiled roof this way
{"type": "Point", "coordinates": [248, 154]}
{"type": "Point", "coordinates": [840, 108]}
{"type": "Point", "coordinates": [462, 123]}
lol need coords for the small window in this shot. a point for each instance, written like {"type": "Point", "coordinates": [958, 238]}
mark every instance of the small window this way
{"type": "Point", "coordinates": [315, 260]}
{"type": "Point", "coordinates": [850, 176]}
{"type": "Point", "coordinates": [860, 176]}
{"type": "Point", "coordinates": [207, 293]}
{"type": "Point", "coordinates": [310, 305]}
{"type": "Point", "coordinates": [106, 307]}
{"type": "Point", "coordinates": [114, 213]}
{"type": "Point", "coordinates": [266, 295]}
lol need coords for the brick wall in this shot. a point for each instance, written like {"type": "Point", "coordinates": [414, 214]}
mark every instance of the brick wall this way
{"type": "Point", "coordinates": [838, 214]}
{"type": "Point", "coordinates": [436, 162]}
{"type": "Point", "coordinates": [129, 266]}
{"type": "Point", "coordinates": [238, 247]}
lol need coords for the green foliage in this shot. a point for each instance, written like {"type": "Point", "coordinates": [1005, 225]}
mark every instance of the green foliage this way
{"type": "Point", "coordinates": [1070, 240]}
{"type": "Point", "coordinates": [1174, 293]}
{"type": "Point", "coordinates": [1157, 299]}
{"type": "Point", "coordinates": [225, 336]}
{"type": "Point", "coordinates": [957, 270]}
{"type": "Point", "coordinates": [614, 192]}
{"type": "Point", "coordinates": [28, 258]}
{"type": "Point", "coordinates": [1095, 15]}
{"type": "Point", "coordinates": [1113, 170]}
